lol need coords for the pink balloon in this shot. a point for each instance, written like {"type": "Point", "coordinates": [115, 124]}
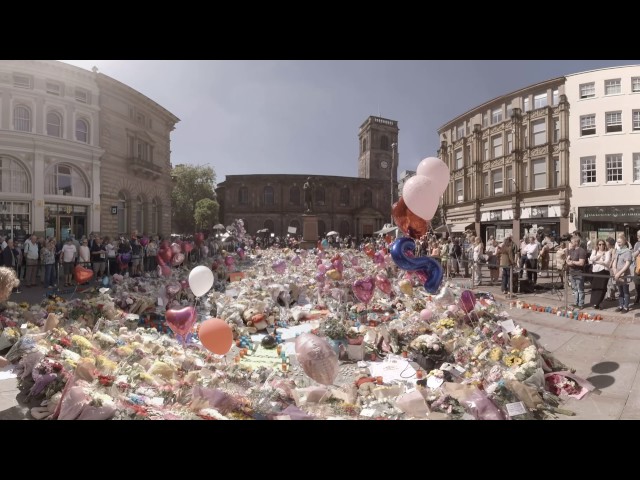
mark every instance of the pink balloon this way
{"type": "Point", "coordinates": [322, 269]}
{"type": "Point", "coordinates": [228, 261]}
{"type": "Point", "coordinates": [383, 283]}
{"type": "Point", "coordinates": [363, 289]}
{"type": "Point", "coordinates": [187, 247]}
{"type": "Point", "coordinates": [177, 259]}
{"type": "Point", "coordinates": [378, 258]}
{"type": "Point", "coordinates": [297, 261]}
{"type": "Point", "coordinates": [280, 266]}
{"type": "Point", "coordinates": [467, 301]}
{"type": "Point", "coordinates": [181, 321]}
{"type": "Point", "coordinates": [426, 314]}
{"type": "Point", "coordinates": [166, 254]}
{"type": "Point", "coordinates": [144, 241]}
{"type": "Point", "coordinates": [317, 358]}
{"type": "Point", "coordinates": [173, 289]}
{"type": "Point", "coordinates": [163, 271]}
{"type": "Point", "coordinates": [337, 264]}
{"type": "Point", "coordinates": [320, 278]}
{"type": "Point", "coordinates": [437, 171]}
{"type": "Point", "coordinates": [421, 196]}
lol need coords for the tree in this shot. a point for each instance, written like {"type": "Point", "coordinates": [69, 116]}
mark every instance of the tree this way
{"type": "Point", "coordinates": [206, 214]}
{"type": "Point", "coordinates": [190, 185]}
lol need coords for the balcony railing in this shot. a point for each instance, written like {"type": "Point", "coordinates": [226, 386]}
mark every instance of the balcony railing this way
{"type": "Point", "coordinates": [142, 167]}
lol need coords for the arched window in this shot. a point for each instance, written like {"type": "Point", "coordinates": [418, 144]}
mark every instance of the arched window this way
{"type": "Point", "coordinates": [367, 198]}
{"type": "Point", "coordinates": [319, 196]}
{"type": "Point", "coordinates": [243, 196]}
{"type": "Point", "coordinates": [268, 224]}
{"type": "Point", "coordinates": [66, 180]}
{"type": "Point", "coordinates": [384, 143]}
{"type": "Point", "coordinates": [295, 224]}
{"type": "Point", "coordinates": [13, 177]}
{"type": "Point", "coordinates": [155, 216]}
{"type": "Point", "coordinates": [22, 118]}
{"type": "Point", "coordinates": [294, 196]}
{"type": "Point", "coordinates": [344, 196]}
{"type": "Point", "coordinates": [123, 224]}
{"type": "Point", "coordinates": [268, 195]}
{"type": "Point", "coordinates": [344, 228]}
{"type": "Point", "coordinates": [140, 214]}
{"type": "Point", "coordinates": [364, 145]}
{"type": "Point", "coordinates": [82, 130]}
{"type": "Point", "coordinates": [322, 228]}
{"type": "Point", "coordinates": [54, 124]}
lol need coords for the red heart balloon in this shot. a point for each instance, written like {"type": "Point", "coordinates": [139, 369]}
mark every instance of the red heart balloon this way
{"type": "Point", "coordinates": [166, 255]}
{"type": "Point", "coordinates": [181, 321]}
{"type": "Point", "coordinates": [81, 274]}
{"type": "Point", "coordinates": [409, 222]}
{"type": "Point", "coordinates": [363, 289]}
{"type": "Point", "coordinates": [383, 283]}
{"type": "Point", "coordinates": [370, 252]}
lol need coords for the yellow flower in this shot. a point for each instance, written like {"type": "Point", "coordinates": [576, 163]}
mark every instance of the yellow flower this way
{"type": "Point", "coordinates": [81, 342]}
{"type": "Point", "coordinates": [511, 360]}
{"type": "Point", "coordinates": [496, 354]}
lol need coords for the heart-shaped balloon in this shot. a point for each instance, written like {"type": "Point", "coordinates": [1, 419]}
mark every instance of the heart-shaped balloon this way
{"type": "Point", "coordinates": [322, 268]}
{"type": "Point", "coordinates": [363, 289]}
{"type": "Point", "coordinates": [144, 241]}
{"type": "Point", "coordinates": [370, 252]}
{"type": "Point", "coordinates": [334, 274]}
{"type": "Point", "coordinates": [172, 289]}
{"type": "Point", "coordinates": [405, 286]}
{"type": "Point", "coordinates": [279, 266]}
{"type": "Point", "coordinates": [81, 274]}
{"type": "Point", "coordinates": [181, 321]}
{"type": "Point", "coordinates": [229, 261]}
{"type": "Point", "coordinates": [437, 171]}
{"type": "Point", "coordinates": [187, 247]}
{"type": "Point", "coordinates": [177, 259]}
{"type": "Point", "coordinates": [297, 261]}
{"type": "Point", "coordinates": [409, 222]}
{"type": "Point", "coordinates": [421, 196]}
{"type": "Point", "coordinates": [338, 265]}
{"type": "Point", "coordinates": [317, 358]}
{"type": "Point", "coordinates": [467, 301]}
{"type": "Point", "coordinates": [426, 314]}
{"type": "Point", "coordinates": [319, 277]}
{"type": "Point", "coordinates": [378, 258]}
{"type": "Point", "coordinates": [383, 283]}
{"type": "Point", "coordinates": [166, 254]}
{"type": "Point", "coordinates": [445, 297]}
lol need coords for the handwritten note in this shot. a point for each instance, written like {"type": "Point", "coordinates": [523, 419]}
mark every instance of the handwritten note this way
{"type": "Point", "coordinates": [516, 408]}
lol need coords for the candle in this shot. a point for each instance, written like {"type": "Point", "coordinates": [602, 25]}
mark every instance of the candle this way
{"type": "Point", "coordinates": [405, 354]}
{"type": "Point", "coordinates": [279, 349]}
{"type": "Point", "coordinates": [418, 374]}
{"type": "Point", "coordinates": [284, 367]}
{"type": "Point", "coordinates": [379, 380]}
{"type": "Point", "coordinates": [237, 359]}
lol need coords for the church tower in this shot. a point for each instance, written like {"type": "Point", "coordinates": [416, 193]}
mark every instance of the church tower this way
{"type": "Point", "coordinates": [378, 158]}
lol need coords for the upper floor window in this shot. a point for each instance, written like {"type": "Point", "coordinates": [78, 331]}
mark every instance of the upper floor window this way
{"type": "Point", "coordinates": [460, 131]}
{"type": "Point", "coordinates": [384, 142]}
{"type": "Point", "coordinates": [294, 195]}
{"type": "Point", "coordinates": [485, 184]}
{"type": "Point", "coordinates": [539, 170]}
{"type": "Point", "coordinates": [243, 196]}
{"type": "Point", "coordinates": [509, 141]}
{"type": "Point", "coordinates": [82, 95]}
{"type": "Point", "coordinates": [588, 90]}
{"type": "Point", "coordinates": [555, 97]}
{"type": "Point", "coordinates": [539, 130]}
{"type": "Point", "coordinates": [344, 196]}
{"type": "Point", "coordinates": [497, 181]}
{"type": "Point", "coordinates": [540, 100]}
{"type": "Point", "coordinates": [555, 178]}
{"type": "Point", "coordinates": [587, 170]}
{"type": "Point", "coordinates": [485, 150]}
{"type": "Point", "coordinates": [82, 130]}
{"type": "Point", "coordinates": [22, 118]}
{"type": "Point", "coordinates": [509, 111]}
{"type": "Point", "coordinates": [485, 120]}
{"type": "Point", "coordinates": [509, 180]}
{"type": "Point", "coordinates": [66, 180]}
{"type": "Point", "coordinates": [364, 144]}
{"type": "Point", "coordinates": [496, 115]}
{"type": "Point", "coordinates": [459, 192]}
{"type": "Point", "coordinates": [612, 87]}
{"type": "Point", "coordinates": [13, 177]}
{"type": "Point", "coordinates": [54, 124]}
{"type": "Point", "coordinates": [587, 125]}
{"type": "Point", "coordinates": [459, 159]}
{"type": "Point", "coordinates": [636, 120]}
{"type": "Point", "coordinates": [22, 81]}
{"type": "Point", "coordinates": [636, 167]}
{"type": "Point", "coordinates": [526, 104]}
{"type": "Point", "coordinates": [635, 84]}
{"type": "Point", "coordinates": [614, 168]}
{"type": "Point", "coordinates": [613, 122]}
{"type": "Point", "coordinates": [53, 88]}
{"type": "Point", "coordinates": [367, 198]}
{"type": "Point", "coordinates": [556, 130]}
{"type": "Point", "coordinates": [496, 144]}
{"type": "Point", "coordinates": [268, 195]}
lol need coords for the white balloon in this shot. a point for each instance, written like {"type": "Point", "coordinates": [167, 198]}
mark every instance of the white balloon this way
{"type": "Point", "coordinates": [436, 170]}
{"type": "Point", "coordinates": [421, 195]}
{"type": "Point", "coordinates": [200, 280]}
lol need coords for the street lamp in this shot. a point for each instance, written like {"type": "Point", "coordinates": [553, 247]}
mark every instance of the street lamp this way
{"type": "Point", "coordinates": [394, 154]}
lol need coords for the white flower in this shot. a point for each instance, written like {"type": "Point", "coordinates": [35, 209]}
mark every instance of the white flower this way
{"type": "Point", "coordinates": [530, 353]}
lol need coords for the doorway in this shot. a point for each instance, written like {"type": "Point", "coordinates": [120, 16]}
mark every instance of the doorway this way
{"type": "Point", "coordinates": [61, 226]}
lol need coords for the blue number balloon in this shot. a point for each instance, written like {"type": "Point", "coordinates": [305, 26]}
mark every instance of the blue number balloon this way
{"type": "Point", "coordinates": [426, 265]}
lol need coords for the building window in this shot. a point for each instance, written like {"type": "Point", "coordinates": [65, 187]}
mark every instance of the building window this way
{"type": "Point", "coordinates": [555, 97]}
{"type": "Point", "coordinates": [525, 177]}
{"type": "Point", "coordinates": [540, 100]}
{"type": "Point", "coordinates": [320, 196]}
{"type": "Point", "coordinates": [459, 159]}
{"type": "Point", "coordinates": [636, 167]}
{"type": "Point", "coordinates": [294, 196]}
{"type": "Point", "coordinates": [344, 228]}
{"type": "Point", "coordinates": [614, 168]}
{"type": "Point", "coordinates": [485, 150]}
{"type": "Point", "coordinates": [588, 90]}
{"type": "Point", "coordinates": [368, 198]}
{"type": "Point", "coordinates": [123, 224]}
{"type": "Point", "coordinates": [344, 196]}
{"type": "Point", "coordinates": [140, 214]}
{"type": "Point", "coordinates": [525, 135]}
{"type": "Point", "coordinates": [555, 179]}
{"type": "Point", "coordinates": [384, 143]}
{"type": "Point", "coordinates": [539, 132]}
{"type": "Point", "coordinates": [82, 130]}
{"type": "Point", "coordinates": [53, 88]}
{"type": "Point", "coordinates": [556, 130]}
{"type": "Point", "coordinates": [497, 182]}
{"type": "Point", "coordinates": [82, 95]}
{"type": "Point", "coordinates": [612, 87]}
{"type": "Point", "coordinates": [364, 145]}
{"type": "Point", "coordinates": [66, 180]}
{"type": "Point", "coordinates": [459, 192]}
{"type": "Point", "coordinates": [467, 151]}
{"type": "Point", "coordinates": [509, 141]}
{"type": "Point", "coordinates": [22, 81]}
{"type": "Point", "coordinates": [539, 168]}
{"type": "Point", "coordinates": [496, 145]}
{"type": "Point", "coordinates": [587, 125]}
{"type": "Point", "coordinates": [525, 102]}
{"type": "Point", "coordinates": [15, 219]}
{"type": "Point", "coordinates": [587, 170]}
{"type": "Point", "coordinates": [268, 195]}
{"type": "Point", "coordinates": [485, 120]}
{"type": "Point", "coordinates": [13, 177]}
{"type": "Point", "coordinates": [509, 187]}
{"type": "Point", "coordinates": [54, 124]}
{"type": "Point", "coordinates": [509, 112]}
{"type": "Point", "coordinates": [22, 118]}
{"type": "Point", "coordinates": [496, 116]}
{"type": "Point", "coordinates": [460, 132]}
{"type": "Point", "coordinates": [243, 196]}
{"type": "Point", "coordinates": [635, 84]}
{"type": "Point", "coordinates": [613, 122]}
{"type": "Point", "coordinates": [636, 120]}
{"type": "Point", "coordinates": [155, 220]}
{"type": "Point", "coordinates": [485, 184]}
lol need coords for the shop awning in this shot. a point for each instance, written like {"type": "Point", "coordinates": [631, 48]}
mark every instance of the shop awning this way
{"type": "Point", "coordinates": [461, 227]}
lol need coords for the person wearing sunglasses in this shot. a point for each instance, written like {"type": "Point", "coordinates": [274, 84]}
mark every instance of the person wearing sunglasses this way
{"type": "Point", "coordinates": [600, 260]}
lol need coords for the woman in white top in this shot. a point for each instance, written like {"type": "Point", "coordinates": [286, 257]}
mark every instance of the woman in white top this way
{"type": "Point", "coordinates": [600, 259]}
{"type": "Point", "coordinates": [478, 252]}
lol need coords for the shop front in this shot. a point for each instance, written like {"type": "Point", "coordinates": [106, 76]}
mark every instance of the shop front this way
{"type": "Point", "coordinates": [497, 224]}
{"type": "Point", "coordinates": [63, 220]}
{"type": "Point", "coordinates": [15, 220]}
{"type": "Point", "coordinates": [604, 222]}
{"type": "Point", "coordinates": [540, 221]}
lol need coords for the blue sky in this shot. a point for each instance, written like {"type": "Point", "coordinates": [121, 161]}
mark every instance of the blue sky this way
{"type": "Point", "coordinates": [244, 117]}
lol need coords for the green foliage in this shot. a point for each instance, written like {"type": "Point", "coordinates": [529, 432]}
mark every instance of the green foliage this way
{"type": "Point", "coordinates": [190, 185]}
{"type": "Point", "coordinates": [206, 214]}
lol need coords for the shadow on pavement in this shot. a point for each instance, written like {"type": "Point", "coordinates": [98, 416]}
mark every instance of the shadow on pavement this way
{"type": "Point", "coordinates": [601, 381]}
{"type": "Point", "coordinates": [605, 367]}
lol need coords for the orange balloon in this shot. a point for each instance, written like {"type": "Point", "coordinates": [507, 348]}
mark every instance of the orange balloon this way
{"type": "Point", "coordinates": [81, 274]}
{"type": "Point", "coordinates": [216, 335]}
